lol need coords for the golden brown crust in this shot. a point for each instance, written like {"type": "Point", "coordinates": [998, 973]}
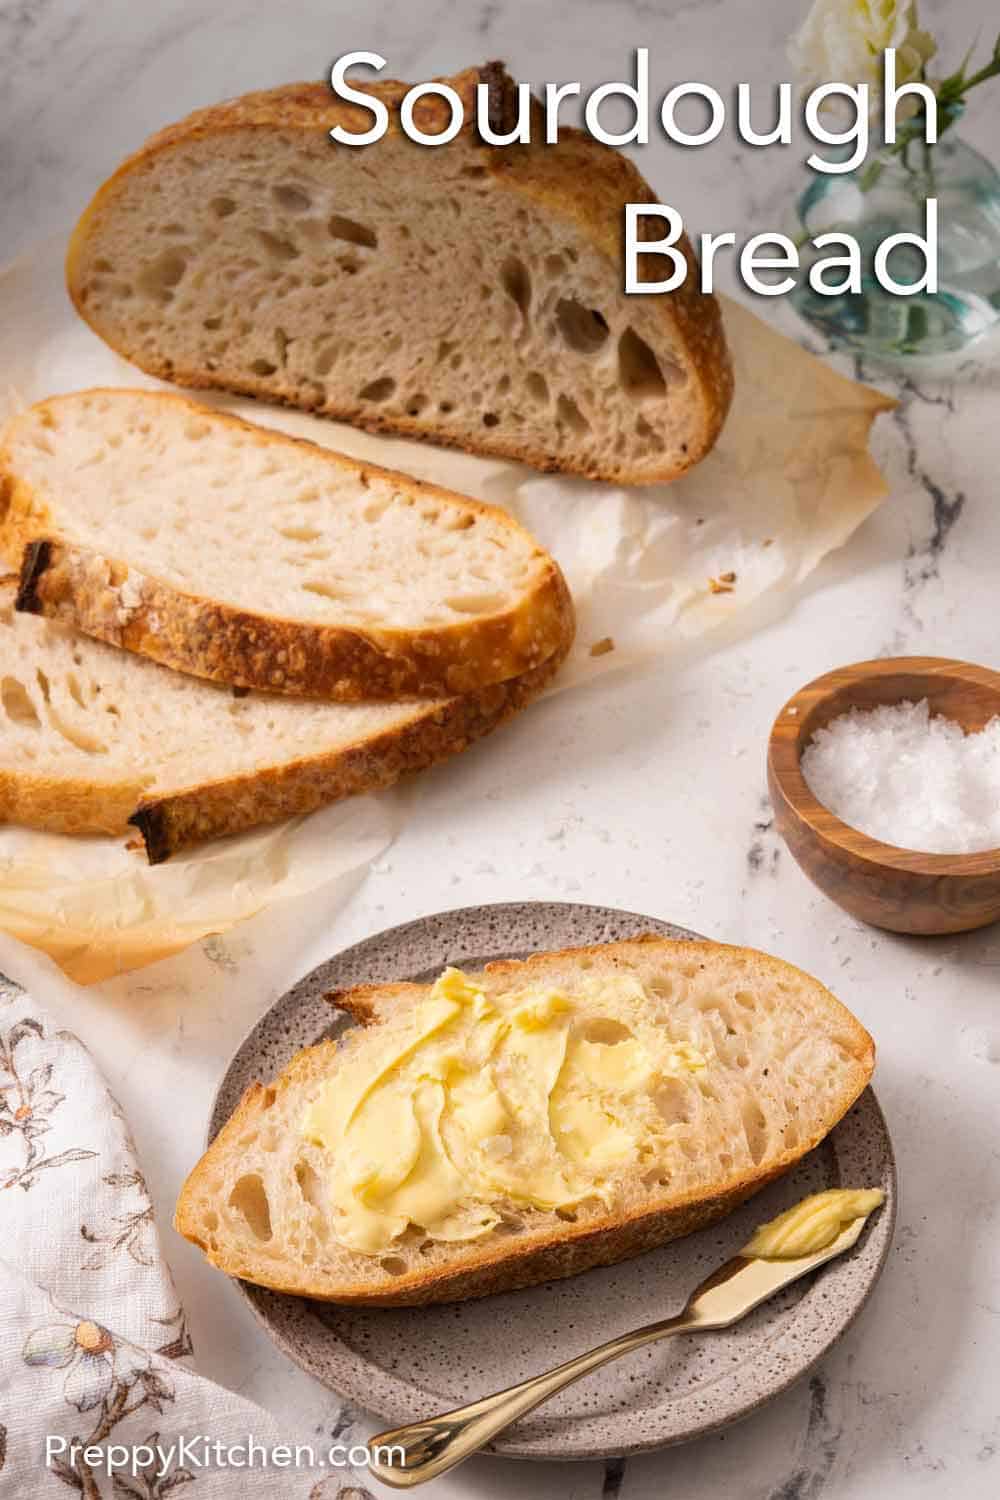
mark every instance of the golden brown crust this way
{"type": "Point", "coordinates": [436, 730]}
{"type": "Point", "coordinates": [73, 806]}
{"type": "Point", "coordinates": [116, 603]}
{"type": "Point", "coordinates": [508, 1264]}
{"type": "Point", "coordinates": [576, 178]}
{"type": "Point", "coordinates": [244, 801]}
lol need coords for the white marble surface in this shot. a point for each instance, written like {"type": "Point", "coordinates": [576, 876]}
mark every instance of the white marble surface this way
{"type": "Point", "coordinates": [645, 793]}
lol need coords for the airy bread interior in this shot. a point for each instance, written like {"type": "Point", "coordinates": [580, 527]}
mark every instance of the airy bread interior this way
{"type": "Point", "coordinates": [469, 295]}
{"type": "Point", "coordinates": [88, 730]}
{"type": "Point", "coordinates": [785, 1061]}
{"type": "Point", "coordinates": [235, 513]}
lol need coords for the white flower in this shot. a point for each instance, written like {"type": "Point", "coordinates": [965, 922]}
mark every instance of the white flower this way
{"type": "Point", "coordinates": [842, 41]}
{"type": "Point", "coordinates": [93, 1360]}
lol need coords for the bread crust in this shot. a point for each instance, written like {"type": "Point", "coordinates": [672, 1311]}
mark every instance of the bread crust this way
{"type": "Point", "coordinates": [507, 1264]}
{"type": "Point", "coordinates": [433, 734]}
{"type": "Point", "coordinates": [106, 598]}
{"type": "Point", "coordinates": [576, 178]}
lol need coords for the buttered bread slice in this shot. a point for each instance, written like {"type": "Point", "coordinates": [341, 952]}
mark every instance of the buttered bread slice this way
{"type": "Point", "coordinates": [498, 1129]}
{"type": "Point", "coordinates": [95, 739]}
{"type": "Point", "coordinates": [231, 552]}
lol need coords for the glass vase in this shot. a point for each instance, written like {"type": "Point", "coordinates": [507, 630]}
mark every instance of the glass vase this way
{"type": "Point", "coordinates": [886, 195]}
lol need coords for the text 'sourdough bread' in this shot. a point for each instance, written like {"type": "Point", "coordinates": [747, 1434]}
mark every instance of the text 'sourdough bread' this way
{"type": "Point", "coordinates": [235, 553]}
{"type": "Point", "coordinates": [468, 294]}
{"type": "Point", "coordinates": [784, 1060]}
{"type": "Point", "coordinates": [95, 738]}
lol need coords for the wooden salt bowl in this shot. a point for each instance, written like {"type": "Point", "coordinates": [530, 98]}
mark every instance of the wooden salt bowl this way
{"type": "Point", "coordinates": [898, 889]}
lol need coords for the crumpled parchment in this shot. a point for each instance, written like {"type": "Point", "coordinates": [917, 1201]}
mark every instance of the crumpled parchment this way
{"type": "Point", "coordinates": [650, 568]}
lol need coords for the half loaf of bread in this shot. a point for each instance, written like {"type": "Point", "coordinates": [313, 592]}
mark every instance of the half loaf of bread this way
{"type": "Point", "coordinates": [94, 739]}
{"type": "Point", "coordinates": [465, 293]}
{"type": "Point", "coordinates": [780, 1061]}
{"type": "Point", "coordinates": [235, 553]}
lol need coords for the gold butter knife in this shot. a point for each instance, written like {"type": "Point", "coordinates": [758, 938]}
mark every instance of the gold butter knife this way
{"type": "Point", "coordinates": [410, 1455]}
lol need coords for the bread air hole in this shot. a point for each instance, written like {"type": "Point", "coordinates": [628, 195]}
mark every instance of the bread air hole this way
{"type": "Point", "coordinates": [375, 509]}
{"type": "Point", "coordinates": [158, 277]}
{"type": "Point", "coordinates": [74, 735]}
{"type": "Point", "coordinates": [516, 282]}
{"type": "Point", "coordinates": [671, 1100]}
{"type": "Point", "coordinates": [293, 199]}
{"type": "Point", "coordinates": [394, 1265]}
{"type": "Point", "coordinates": [249, 1198]}
{"type": "Point", "coordinates": [537, 388]}
{"type": "Point", "coordinates": [326, 590]}
{"type": "Point", "coordinates": [639, 371]}
{"type": "Point", "coordinates": [377, 390]}
{"type": "Point", "coordinates": [570, 414]}
{"type": "Point", "coordinates": [325, 360]}
{"type": "Point", "coordinates": [583, 329]}
{"type": "Point", "coordinates": [277, 246]}
{"type": "Point", "coordinates": [300, 533]}
{"type": "Point", "coordinates": [222, 207]}
{"type": "Point", "coordinates": [17, 703]}
{"type": "Point", "coordinates": [309, 1183]}
{"type": "Point", "coordinates": [341, 228]}
{"type": "Point", "coordinates": [605, 1030]}
{"type": "Point", "coordinates": [475, 604]}
{"type": "Point", "coordinates": [755, 1130]}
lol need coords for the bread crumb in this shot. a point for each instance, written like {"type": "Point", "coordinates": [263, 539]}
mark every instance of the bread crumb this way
{"type": "Point", "coordinates": [723, 584]}
{"type": "Point", "coordinates": [130, 593]}
{"type": "Point", "coordinates": [602, 647]}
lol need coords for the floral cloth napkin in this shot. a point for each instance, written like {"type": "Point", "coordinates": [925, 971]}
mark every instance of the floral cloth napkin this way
{"type": "Point", "coordinates": [94, 1348]}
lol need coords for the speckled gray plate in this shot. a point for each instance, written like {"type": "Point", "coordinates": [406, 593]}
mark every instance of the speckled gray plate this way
{"type": "Point", "coordinates": [411, 1362]}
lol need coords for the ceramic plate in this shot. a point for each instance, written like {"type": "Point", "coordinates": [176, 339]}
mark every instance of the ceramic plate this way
{"type": "Point", "coordinates": [406, 1363]}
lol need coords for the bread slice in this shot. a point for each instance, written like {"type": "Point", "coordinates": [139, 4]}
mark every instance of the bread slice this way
{"type": "Point", "coordinates": [784, 1061]}
{"type": "Point", "coordinates": [95, 739]}
{"type": "Point", "coordinates": [468, 294]}
{"type": "Point", "coordinates": [238, 554]}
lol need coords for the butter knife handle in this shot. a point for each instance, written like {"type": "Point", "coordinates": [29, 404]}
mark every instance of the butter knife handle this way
{"type": "Point", "coordinates": [410, 1455]}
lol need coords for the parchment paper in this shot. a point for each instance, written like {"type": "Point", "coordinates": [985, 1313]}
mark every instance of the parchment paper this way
{"type": "Point", "coordinates": [650, 568]}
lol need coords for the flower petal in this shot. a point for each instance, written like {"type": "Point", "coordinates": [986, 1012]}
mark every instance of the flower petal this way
{"type": "Point", "coordinates": [130, 1362]}
{"type": "Point", "coordinates": [52, 1346]}
{"type": "Point", "coordinates": [88, 1382]}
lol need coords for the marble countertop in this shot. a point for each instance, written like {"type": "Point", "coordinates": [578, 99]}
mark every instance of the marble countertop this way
{"type": "Point", "coordinates": [651, 794]}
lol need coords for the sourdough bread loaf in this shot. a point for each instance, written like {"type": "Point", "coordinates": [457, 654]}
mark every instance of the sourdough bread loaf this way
{"type": "Point", "coordinates": [467, 294]}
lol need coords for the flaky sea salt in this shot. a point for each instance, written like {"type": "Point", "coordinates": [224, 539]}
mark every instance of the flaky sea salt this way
{"type": "Point", "coordinates": [908, 778]}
